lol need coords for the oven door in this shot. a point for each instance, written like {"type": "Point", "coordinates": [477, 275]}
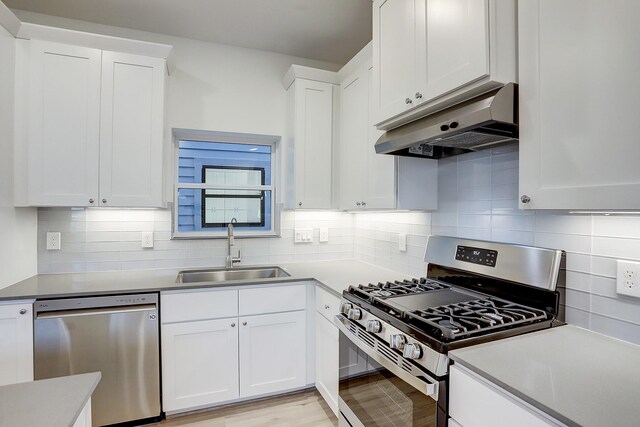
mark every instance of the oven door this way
{"type": "Point", "coordinates": [375, 391]}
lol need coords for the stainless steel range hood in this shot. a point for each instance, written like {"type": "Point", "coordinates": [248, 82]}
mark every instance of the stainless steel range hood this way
{"type": "Point", "coordinates": [483, 122]}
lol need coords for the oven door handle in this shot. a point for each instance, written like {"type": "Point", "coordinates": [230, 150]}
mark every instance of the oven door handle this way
{"type": "Point", "coordinates": [428, 385]}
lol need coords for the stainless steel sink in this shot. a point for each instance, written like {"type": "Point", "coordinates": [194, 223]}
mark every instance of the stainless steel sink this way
{"type": "Point", "coordinates": [223, 275]}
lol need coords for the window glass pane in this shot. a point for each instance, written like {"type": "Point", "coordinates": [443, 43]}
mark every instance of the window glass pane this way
{"type": "Point", "coordinates": [212, 210]}
{"type": "Point", "coordinates": [235, 164]}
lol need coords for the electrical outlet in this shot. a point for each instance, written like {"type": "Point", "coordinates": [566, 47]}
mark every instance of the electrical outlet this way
{"type": "Point", "coordinates": [53, 240]}
{"type": "Point", "coordinates": [303, 235]}
{"type": "Point", "coordinates": [324, 235]}
{"type": "Point", "coordinates": [628, 282]}
{"type": "Point", "coordinates": [402, 242]}
{"type": "Point", "coordinates": [147, 239]}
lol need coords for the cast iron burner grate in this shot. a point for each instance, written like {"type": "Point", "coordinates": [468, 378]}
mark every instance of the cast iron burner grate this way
{"type": "Point", "coordinates": [404, 287]}
{"type": "Point", "coordinates": [475, 317]}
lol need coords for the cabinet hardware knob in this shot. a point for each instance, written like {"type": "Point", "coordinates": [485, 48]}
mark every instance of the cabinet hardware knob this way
{"type": "Point", "coordinates": [364, 203]}
{"type": "Point", "coordinates": [299, 203]}
{"type": "Point", "coordinates": [357, 203]}
{"type": "Point", "coordinates": [233, 325]}
{"type": "Point", "coordinates": [104, 200]}
{"type": "Point", "coordinates": [525, 199]}
{"type": "Point", "coordinates": [418, 95]}
{"type": "Point", "coordinates": [23, 311]}
{"type": "Point", "coordinates": [408, 101]}
{"type": "Point", "coordinates": [244, 323]}
{"type": "Point", "coordinates": [444, 128]}
{"type": "Point", "coordinates": [91, 201]}
{"type": "Point", "coordinates": [326, 307]}
{"type": "Point", "coordinates": [453, 125]}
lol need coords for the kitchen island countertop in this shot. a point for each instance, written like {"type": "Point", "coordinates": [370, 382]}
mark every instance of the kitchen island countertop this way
{"type": "Point", "coordinates": [577, 376]}
{"type": "Point", "coordinates": [56, 402]}
{"type": "Point", "coordinates": [334, 276]}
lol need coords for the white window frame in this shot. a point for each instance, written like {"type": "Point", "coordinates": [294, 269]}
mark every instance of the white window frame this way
{"type": "Point", "coordinates": [234, 138]}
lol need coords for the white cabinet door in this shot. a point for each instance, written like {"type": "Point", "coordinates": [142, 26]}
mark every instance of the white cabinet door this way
{"type": "Point", "coordinates": [272, 353]}
{"type": "Point", "coordinates": [64, 125]}
{"type": "Point", "coordinates": [394, 56]}
{"type": "Point", "coordinates": [199, 363]}
{"type": "Point", "coordinates": [16, 344]}
{"type": "Point", "coordinates": [473, 402]}
{"type": "Point", "coordinates": [354, 95]}
{"type": "Point", "coordinates": [380, 184]}
{"type": "Point", "coordinates": [312, 145]}
{"type": "Point", "coordinates": [327, 361]}
{"type": "Point", "coordinates": [452, 45]}
{"type": "Point", "coordinates": [131, 130]}
{"type": "Point", "coordinates": [579, 104]}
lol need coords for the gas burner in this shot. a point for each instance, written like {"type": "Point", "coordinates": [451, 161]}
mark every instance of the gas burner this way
{"type": "Point", "coordinates": [404, 287]}
{"type": "Point", "coordinates": [461, 320]}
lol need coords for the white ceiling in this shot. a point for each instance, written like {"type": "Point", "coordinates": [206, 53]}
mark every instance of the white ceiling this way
{"type": "Point", "coordinates": [326, 30]}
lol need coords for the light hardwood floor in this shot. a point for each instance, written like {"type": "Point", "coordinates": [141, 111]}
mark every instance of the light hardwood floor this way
{"type": "Point", "coordinates": [305, 409]}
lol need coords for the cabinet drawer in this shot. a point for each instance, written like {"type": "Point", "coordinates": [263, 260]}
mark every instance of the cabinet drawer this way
{"type": "Point", "coordinates": [475, 403]}
{"type": "Point", "coordinates": [198, 305]}
{"type": "Point", "coordinates": [273, 299]}
{"type": "Point", "coordinates": [327, 304]}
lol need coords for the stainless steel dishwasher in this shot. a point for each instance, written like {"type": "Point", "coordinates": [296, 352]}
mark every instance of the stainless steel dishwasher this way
{"type": "Point", "coordinates": [115, 335]}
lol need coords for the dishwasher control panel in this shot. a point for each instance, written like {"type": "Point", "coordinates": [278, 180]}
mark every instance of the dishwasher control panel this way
{"type": "Point", "coordinates": [82, 303]}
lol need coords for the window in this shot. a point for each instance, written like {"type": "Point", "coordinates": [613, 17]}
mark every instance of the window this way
{"type": "Point", "coordinates": [224, 178]}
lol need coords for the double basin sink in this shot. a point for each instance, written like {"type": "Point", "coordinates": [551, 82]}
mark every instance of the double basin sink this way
{"type": "Point", "coordinates": [224, 275]}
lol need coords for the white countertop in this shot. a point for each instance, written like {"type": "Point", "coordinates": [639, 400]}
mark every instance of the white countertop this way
{"type": "Point", "coordinates": [55, 402]}
{"type": "Point", "coordinates": [579, 377]}
{"type": "Point", "coordinates": [333, 275]}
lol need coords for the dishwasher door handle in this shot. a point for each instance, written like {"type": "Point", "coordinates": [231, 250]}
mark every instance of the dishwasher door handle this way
{"type": "Point", "coordinates": [95, 311]}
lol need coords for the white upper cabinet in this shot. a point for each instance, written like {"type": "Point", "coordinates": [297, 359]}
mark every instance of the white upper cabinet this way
{"type": "Point", "coordinates": [131, 130]}
{"type": "Point", "coordinates": [367, 179]}
{"type": "Point", "coordinates": [428, 54]}
{"type": "Point", "coordinates": [579, 107]}
{"type": "Point", "coordinates": [64, 123]}
{"type": "Point", "coordinates": [93, 127]}
{"type": "Point", "coordinates": [309, 145]}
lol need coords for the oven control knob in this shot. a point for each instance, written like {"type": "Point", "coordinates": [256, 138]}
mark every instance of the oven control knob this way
{"type": "Point", "coordinates": [412, 351]}
{"type": "Point", "coordinates": [354, 314]}
{"type": "Point", "coordinates": [397, 341]}
{"type": "Point", "coordinates": [374, 326]}
{"type": "Point", "coordinates": [344, 309]}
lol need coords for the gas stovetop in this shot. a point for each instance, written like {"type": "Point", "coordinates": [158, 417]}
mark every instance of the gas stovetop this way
{"type": "Point", "coordinates": [444, 311]}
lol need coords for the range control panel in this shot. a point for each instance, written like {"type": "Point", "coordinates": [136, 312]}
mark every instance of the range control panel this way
{"type": "Point", "coordinates": [477, 255]}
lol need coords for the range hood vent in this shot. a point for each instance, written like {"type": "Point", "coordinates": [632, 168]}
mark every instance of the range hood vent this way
{"type": "Point", "coordinates": [483, 122]}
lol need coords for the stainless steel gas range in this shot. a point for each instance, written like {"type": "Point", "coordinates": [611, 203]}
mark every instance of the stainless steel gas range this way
{"type": "Point", "coordinates": [395, 336]}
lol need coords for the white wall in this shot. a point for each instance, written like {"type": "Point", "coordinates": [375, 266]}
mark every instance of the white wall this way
{"type": "Point", "coordinates": [18, 227]}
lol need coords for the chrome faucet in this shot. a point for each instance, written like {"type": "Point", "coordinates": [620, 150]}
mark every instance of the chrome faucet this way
{"type": "Point", "coordinates": [230, 240]}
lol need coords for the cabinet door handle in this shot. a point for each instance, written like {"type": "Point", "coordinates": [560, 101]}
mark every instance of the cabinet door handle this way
{"type": "Point", "coordinates": [299, 203]}
{"type": "Point", "coordinates": [364, 203]}
{"type": "Point", "coordinates": [525, 199]}
{"type": "Point", "coordinates": [104, 200]}
{"type": "Point", "coordinates": [233, 325]}
{"type": "Point", "coordinates": [357, 203]}
{"type": "Point", "coordinates": [408, 101]}
{"type": "Point", "coordinates": [327, 307]}
{"type": "Point", "coordinates": [244, 323]}
{"type": "Point", "coordinates": [418, 95]}
{"type": "Point", "coordinates": [23, 311]}
{"type": "Point", "coordinates": [90, 201]}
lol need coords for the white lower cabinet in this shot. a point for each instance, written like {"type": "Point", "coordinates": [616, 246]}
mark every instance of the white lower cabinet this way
{"type": "Point", "coordinates": [474, 402]}
{"type": "Point", "coordinates": [16, 343]}
{"type": "Point", "coordinates": [272, 353]}
{"type": "Point", "coordinates": [200, 363]}
{"type": "Point", "coordinates": [327, 338]}
{"type": "Point", "coordinates": [84, 419]}
{"type": "Point", "coordinates": [226, 352]}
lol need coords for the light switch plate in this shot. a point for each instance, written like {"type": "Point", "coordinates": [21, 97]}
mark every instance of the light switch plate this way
{"type": "Point", "coordinates": [628, 276]}
{"type": "Point", "coordinates": [402, 242]}
{"type": "Point", "coordinates": [147, 239]}
{"type": "Point", "coordinates": [53, 240]}
{"type": "Point", "coordinates": [303, 235]}
{"type": "Point", "coordinates": [324, 235]}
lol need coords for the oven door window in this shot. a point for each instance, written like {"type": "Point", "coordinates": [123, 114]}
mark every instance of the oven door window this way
{"type": "Point", "coordinates": [372, 396]}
